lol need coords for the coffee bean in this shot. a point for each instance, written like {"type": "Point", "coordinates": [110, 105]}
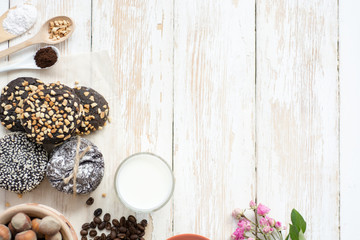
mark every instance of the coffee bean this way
{"type": "Point", "coordinates": [121, 235]}
{"type": "Point", "coordinates": [141, 234]}
{"type": "Point", "coordinates": [102, 226]}
{"type": "Point", "coordinates": [132, 219]}
{"type": "Point", "coordinates": [128, 233]}
{"type": "Point", "coordinates": [92, 225]}
{"type": "Point", "coordinates": [113, 234]}
{"type": "Point", "coordinates": [117, 239]}
{"type": "Point", "coordinates": [132, 230]}
{"type": "Point", "coordinates": [122, 229]}
{"type": "Point", "coordinates": [122, 221]}
{"type": "Point", "coordinates": [97, 220]}
{"type": "Point", "coordinates": [86, 226]}
{"type": "Point", "coordinates": [83, 232]}
{"type": "Point", "coordinates": [134, 237]}
{"type": "Point", "coordinates": [108, 236]}
{"type": "Point", "coordinates": [93, 233]}
{"type": "Point", "coordinates": [97, 238]}
{"type": "Point", "coordinates": [97, 212]}
{"type": "Point", "coordinates": [144, 222]}
{"type": "Point", "coordinates": [108, 226]}
{"type": "Point", "coordinates": [107, 217]}
{"type": "Point", "coordinates": [116, 223]}
{"type": "Point", "coordinates": [103, 236]}
{"type": "Point", "coordinates": [90, 201]}
{"type": "Point", "coordinates": [83, 238]}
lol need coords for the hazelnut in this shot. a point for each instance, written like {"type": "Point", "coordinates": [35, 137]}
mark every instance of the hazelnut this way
{"type": "Point", "coordinates": [12, 229]}
{"type": "Point", "coordinates": [27, 235]}
{"type": "Point", "coordinates": [21, 222]}
{"type": "Point", "coordinates": [5, 233]}
{"type": "Point", "coordinates": [56, 236]}
{"type": "Point", "coordinates": [49, 226]}
{"type": "Point", "coordinates": [35, 227]}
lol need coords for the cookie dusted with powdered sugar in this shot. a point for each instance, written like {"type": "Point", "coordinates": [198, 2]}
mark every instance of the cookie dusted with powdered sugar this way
{"type": "Point", "coordinates": [61, 166]}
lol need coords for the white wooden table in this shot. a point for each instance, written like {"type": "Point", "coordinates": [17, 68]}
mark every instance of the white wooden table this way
{"type": "Point", "coordinates": [246, 99]}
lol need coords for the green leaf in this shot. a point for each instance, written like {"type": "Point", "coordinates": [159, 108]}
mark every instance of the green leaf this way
{"type": "Point", "coordinates": [298, 220]}
{"type": "Point", "coordinates": [294, 232]}
{"type": "Point", "coordinates": [301, 236]}
{"type": "Point", "coordinates": [287, 238]}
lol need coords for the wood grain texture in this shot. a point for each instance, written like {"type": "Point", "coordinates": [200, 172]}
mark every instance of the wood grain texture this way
{"type": "Point", "coordinates": [297, 113]}
{"type": "Point", "coordinates": [349, 116]}
{"type": "Point", "coordinates": [139, 37]}
{"type": "Point", "coordinates": [214, 141]}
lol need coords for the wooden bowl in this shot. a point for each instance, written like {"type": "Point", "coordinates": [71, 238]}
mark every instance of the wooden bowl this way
{"type": "Point", "coordinates": [40, 211]}
{"type": "Point", "coordinates": [188, 237]}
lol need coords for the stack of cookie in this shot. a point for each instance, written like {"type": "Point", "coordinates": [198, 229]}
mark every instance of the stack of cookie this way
{"type": "Point", "coordinates": [40, 114]}
{"type": "Point", "coordinates": [51, 113]}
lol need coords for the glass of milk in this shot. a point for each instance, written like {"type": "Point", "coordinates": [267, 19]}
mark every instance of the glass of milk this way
{"type": "Point", "coordinates": [144, 182]}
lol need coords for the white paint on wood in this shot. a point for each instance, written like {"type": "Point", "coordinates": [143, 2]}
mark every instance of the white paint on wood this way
{"type": "Point", "coordinates": [349, 116]}
{"type": "Point", "coordinates": [214, 103]}
{"type": "Point", "coordinates": [297, 112]}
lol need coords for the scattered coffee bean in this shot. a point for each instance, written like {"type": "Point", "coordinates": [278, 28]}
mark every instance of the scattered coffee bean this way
{"type": "Point", "coordinates": [132, 219]}
{"type": "Point", "coordinates": [92, 225]}
{"type": "Point", "coordinates": [83, 232]}
{"type": "Point", "coordinates": [140, 227]}
{"type": "Point", "coordinates": [144, 222]}
{"type": "Point", "coordinates": [108, 226]}
{"type": "Point", "coordinates": [113, 234]}
{"type": "Point", "coordinates": [116, 223]}
{"type": "Point", "coordinates": [107, 217]}
{"type": "Point", "coordinates": [90, 201]}
{"type": "Point", "coordinates": [86, 226]}
{"type": "Point", "coordinates": [97, 212]}
{"type": "Point", "coordinates": [97, 238]}
{"type": "Point", "coordinates": [102, 226]}
{"type": "Point", "coordinates": [122, 221]}
{"type": "Point", "coordinates": [141, 234]}
{"type": "Point", "coordinates": [97, 220]}
{"type": "Point", "coordinates": [121, 235]}
{"type": "Point", "coordinates": [83, 238]}
{"type": "Point", "coordinates": [93, 233]}
{"type": "Point", "coordinates": [103, 236]}
{"type": "Point", "coordinates": [134, 237]}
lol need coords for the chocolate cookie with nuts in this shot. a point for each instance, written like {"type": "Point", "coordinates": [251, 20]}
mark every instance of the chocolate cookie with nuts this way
{"type": "Point", "coordinates": [96, 110]}
{"type": "Point", "coordinates": [51, 115]}
{"type": "Point", "coordinates": [12, 99]}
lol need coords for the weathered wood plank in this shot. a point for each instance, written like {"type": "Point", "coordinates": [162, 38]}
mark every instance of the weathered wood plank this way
{"type": "Point", "coordinates": [349, 116]}
{"type": "Point", "coordinates": [297, 112]}
{"type": "Point", "coordinates": [139, 37]}
{"type": "Point", "coordinates": [214, 122]}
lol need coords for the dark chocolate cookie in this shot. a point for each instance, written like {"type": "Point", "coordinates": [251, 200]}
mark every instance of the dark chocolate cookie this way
{"type": "Point", "coordinates": [61, 166]}
{"type": "Point", "coordinates": [51, 115]}
{"type": "Point", "coordinates": [22, 163]}
{"type": "Point", "coordinates": [96, 110]}
{"type": "Point", "coordinates": [12, 99]}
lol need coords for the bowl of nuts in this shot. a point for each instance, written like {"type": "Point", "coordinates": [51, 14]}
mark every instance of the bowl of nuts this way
{"type": "Point", "coordinates": [33, 221]}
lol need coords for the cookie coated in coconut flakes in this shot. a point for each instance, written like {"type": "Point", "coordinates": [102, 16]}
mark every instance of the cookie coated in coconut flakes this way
{"type": "Point", "coordinates": [22, 163]}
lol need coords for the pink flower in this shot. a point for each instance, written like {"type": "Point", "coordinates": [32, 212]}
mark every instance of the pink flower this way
{"type": "Point", "coordinates": [262, 210]}
{"type": "Point", "coordinates": [237, 213]}
{"type": "Point", "coordinates": [278, 225]}
{"type": "Point", "coordinates": [250, 238]}
{"type": "Point", "coordinates": [271, 222]}
{"type": "Point", "coordinates": [266, 229]}
{"type": "Point", "coordinates": [244, 225]}
{"type": "Point", "coordinates": [263, 222]}
{"type": "Point", "coordinates": [252, 204]}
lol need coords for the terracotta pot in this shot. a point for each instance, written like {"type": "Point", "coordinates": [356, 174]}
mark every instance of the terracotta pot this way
{"type": "Point", "coordinates": [40, 211]}
{"type": "Point", "coordinates": [188, 237]}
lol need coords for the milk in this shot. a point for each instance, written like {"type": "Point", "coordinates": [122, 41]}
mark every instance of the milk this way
{"type": "Point", "coordinates": [144, 182]}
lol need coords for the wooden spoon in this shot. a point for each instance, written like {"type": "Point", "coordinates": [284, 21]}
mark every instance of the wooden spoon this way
{"type": "Point", "coordinates": [4, 35]}
{"type": "Point", "coordinates": [41, 37]}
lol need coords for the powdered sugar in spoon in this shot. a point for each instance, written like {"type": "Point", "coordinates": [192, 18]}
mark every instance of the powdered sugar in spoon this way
{"type": "Point", "coordinates": [43, 36]}
{"type": "Point", "coordinates": [18, 20]}
{"type": "Point", "coordinates": [26, 63]}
